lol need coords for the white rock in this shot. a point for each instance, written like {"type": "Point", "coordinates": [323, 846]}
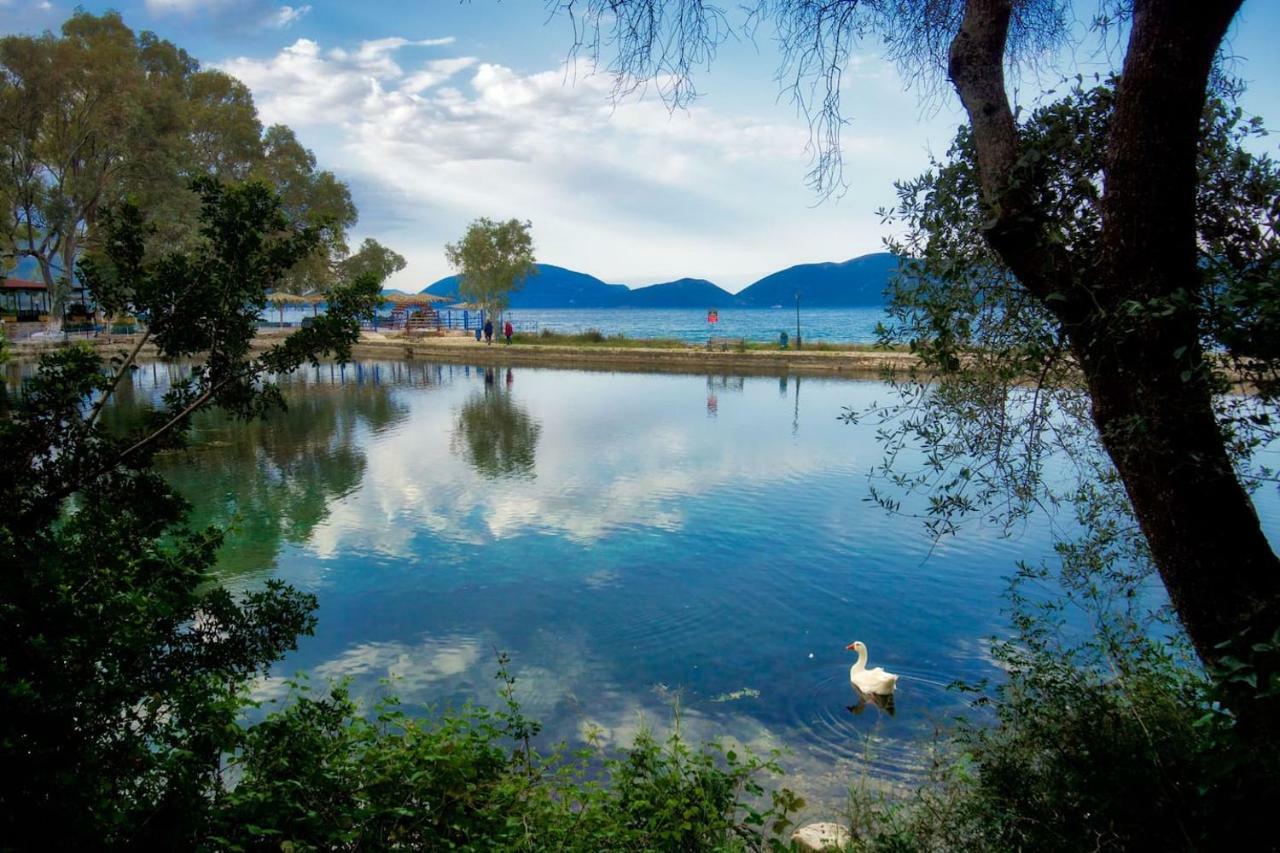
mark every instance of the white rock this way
{"type": "Point", "coordinates": [821, 836]}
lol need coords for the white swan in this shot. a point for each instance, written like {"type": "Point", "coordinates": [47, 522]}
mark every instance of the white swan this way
{"type": "Point", "coordinates": [874, 681]}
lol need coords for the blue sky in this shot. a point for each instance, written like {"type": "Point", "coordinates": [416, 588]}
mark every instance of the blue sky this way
{"type": "Point", "coordinates": [437, 112]}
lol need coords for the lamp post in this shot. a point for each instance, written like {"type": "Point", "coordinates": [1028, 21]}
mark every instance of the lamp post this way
{"type": "Point", "coordinates": [797, 319]}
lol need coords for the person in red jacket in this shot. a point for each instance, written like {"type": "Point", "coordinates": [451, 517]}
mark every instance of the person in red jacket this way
{"type": "Point", "coordinates": [508, 330]}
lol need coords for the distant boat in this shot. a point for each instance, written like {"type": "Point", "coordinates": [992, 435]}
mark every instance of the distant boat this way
{"type": "Point", "coordinates": [775, 306]}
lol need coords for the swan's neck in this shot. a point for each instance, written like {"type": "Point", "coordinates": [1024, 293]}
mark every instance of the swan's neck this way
{"type": "Point", "coordinates": [862, 661]}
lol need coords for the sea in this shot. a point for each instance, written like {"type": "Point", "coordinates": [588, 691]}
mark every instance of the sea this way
{"type": "Point", "coordinates": [830, 325]}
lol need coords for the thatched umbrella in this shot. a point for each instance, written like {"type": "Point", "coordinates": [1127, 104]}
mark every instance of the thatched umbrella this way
{"type": "Point", "coordinates": [315, 298]}
{"type": "Point", "coordinates": [401, 299]}
{"type": "Point", "coordinates": [282, 299]}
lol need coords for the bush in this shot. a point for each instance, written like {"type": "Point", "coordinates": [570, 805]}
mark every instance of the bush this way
{"type": "Point", "coordinates": [317, 776]}
{"type": "Point", "coordinates": [594, 336]}
{"type": "Point", "coordinates": [1138, 756]}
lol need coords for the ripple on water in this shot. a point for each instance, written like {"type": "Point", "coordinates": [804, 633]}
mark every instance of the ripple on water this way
{"type": "Point", "coordinates": [823, 716]}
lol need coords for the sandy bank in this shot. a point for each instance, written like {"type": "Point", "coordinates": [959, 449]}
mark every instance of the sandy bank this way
{"type": "Point", "coordinates": [460, 350]}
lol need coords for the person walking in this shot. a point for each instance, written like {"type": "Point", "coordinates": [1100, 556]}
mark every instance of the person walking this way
{"type": "Point", "coordinates": [508, 330]}
{"type": "Point", "coordinates": [488, 331]}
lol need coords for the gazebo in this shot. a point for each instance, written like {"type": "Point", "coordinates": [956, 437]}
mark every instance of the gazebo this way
{"type": "Point", "coordinates": [406, 302]}
{"type": "Point", "coordinates": [23, 300]}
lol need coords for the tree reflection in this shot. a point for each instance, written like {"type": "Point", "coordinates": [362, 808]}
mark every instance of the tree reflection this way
{"type": "Point", "coordinates": [272, 481]}
{"type": "Point", "coordinates": [499, 436]}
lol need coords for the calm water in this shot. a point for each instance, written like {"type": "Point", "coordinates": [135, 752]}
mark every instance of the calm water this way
{"type": "Point", "coordinates": [834, 325]}
{"type": "Point", "coordinates": [631, 540]}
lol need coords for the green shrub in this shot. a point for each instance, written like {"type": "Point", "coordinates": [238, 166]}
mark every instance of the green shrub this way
{"type": "Point", "coordinates": [1139, 755]}
{"type": "Point", "coordinates": [318, 776]}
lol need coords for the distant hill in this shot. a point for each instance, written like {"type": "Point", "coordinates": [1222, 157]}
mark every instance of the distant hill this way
{"type": "Point", "coordinates": [856, 283]}
{"type": "Point", "coordinates": [552, 287]}
{"type": "Point", "coordinates": [683, 293]}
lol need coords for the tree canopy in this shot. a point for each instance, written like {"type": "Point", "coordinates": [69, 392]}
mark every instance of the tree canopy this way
{"type": "Point", "coordinates": [492, 260]}
{"type": "Point", "coordinates": [99, 114]}
{"type": "Point", "coordinates": [375, 259]}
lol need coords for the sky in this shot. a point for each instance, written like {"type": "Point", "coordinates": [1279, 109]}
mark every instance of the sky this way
{"type": "Point", "coordinates": [439, 112]}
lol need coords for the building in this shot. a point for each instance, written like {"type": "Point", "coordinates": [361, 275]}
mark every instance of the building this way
{"type": "Point", "coordinates": [23, 301]}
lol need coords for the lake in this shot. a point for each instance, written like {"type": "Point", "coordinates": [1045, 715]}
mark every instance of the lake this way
{"type": "Point", "coordinates": [633, 541]}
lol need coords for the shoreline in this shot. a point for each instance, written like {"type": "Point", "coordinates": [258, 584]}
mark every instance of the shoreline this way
{"type": "Point", "coordinates": [457, 349]}
{"type": "Point", "coordinates": [639, 359]}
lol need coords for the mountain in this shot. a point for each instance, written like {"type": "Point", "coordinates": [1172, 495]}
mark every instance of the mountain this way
{"type": "Point", "coordinates": [552, 287]}
{"type": "Point", "coordinates": [683, 293]}
{"type": "Point", "coordinates": [856, 283]}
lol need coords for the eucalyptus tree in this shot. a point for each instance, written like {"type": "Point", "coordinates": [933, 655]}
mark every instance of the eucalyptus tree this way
{"type": "Point", "coordinates": [99, 113]}
{"type": "Point", "coordinates": [492, 260]}
{"type": "Point", "coordinates": [1126, 306]}
{"type": "Point", "coordinates": [72, 108]}
{"type": "Point", "coordinates": [308, 194]}
{"type": "Point", "coordinates": [374, 258]}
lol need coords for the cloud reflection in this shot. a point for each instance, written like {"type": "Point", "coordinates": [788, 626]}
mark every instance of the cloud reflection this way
{"type": "Point", "coordinates": [575, 455]}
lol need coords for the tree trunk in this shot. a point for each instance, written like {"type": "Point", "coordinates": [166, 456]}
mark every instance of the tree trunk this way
{"type": "Point", "coordinates": [70, 247]}
{"type": "Point", "coordinates": [54, 323]}
{"type": "Point", "coordinates": [1151, 400]}
{"type": "Point", "coordinates": [1131, 320]}
{"type": "Point", "coordinates": [1203, 531]}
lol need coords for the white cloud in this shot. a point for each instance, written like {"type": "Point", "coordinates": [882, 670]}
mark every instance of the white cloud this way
{"type": "Point", "coordinates": [287, 15]}
{"type": "Point", "coordinates": [626, 191]}
{"type": "Point", "coordinates": [434, 73]}
{"type": "Point", "coordinates": [184, 7]}
{"type": "Point", "coordinates": [239, 14]}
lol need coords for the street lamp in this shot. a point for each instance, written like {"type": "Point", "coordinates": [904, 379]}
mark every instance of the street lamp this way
{"type": "Point", "coordinates": [797, 319]}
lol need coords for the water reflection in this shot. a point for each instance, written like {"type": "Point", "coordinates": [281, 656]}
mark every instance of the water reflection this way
{"type": "Point", "coordinates": [272, 481]}
{"type": "Point", "coordinates": [498, 435]}
{"type": "Point", "coordinates": [726, 557]}
{"type": "Point", "coordinates": [717, 384]}
{"type": "Point", "coordinates": [883, 701]}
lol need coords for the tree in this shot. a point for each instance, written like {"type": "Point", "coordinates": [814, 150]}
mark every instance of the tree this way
{"type": "Point", "coordinates": [120, 667]}
{"type": "Point", "coordinates": [312, 196]}
{"type": "Point", "coordinates": [492, 260]}
{"type": "Point", "coordinates": [1124, 307]}
{"type": "Point", "coordinates": [72, 110]}
{"type": "Point", "coordinates": [100, 114]}
{"type": "Point", "coordinates": [375, 259]}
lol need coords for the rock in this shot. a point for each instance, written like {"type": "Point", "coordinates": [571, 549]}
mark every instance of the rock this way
{"type": "Point", "coordinates": [821, 836]}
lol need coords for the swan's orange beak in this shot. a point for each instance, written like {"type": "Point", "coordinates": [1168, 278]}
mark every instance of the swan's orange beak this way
{"type": "Point", "coordinates": [849, 647]}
